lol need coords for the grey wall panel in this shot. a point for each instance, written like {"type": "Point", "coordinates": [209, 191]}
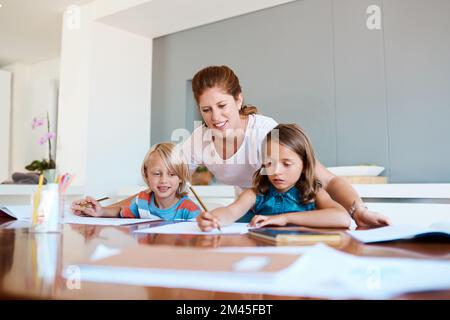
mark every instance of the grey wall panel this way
{"type": "Point", "coordinates": [363, 96]}
{"type": "Point", "coordinates": [417, 36]}
{"type": "Point", "coordinates": [362, 135]}
{"type": "Point", "coordinates": [283, 57]}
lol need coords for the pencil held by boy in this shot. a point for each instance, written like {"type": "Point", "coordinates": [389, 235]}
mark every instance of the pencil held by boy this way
{"type": "Point", "coordinates": [285, 189]}
{"type": "Point", "coordinates": [167, 176]}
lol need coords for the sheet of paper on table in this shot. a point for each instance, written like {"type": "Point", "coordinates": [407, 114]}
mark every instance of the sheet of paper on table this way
{"type": "Point", "coordinates": [192, 228]}
{"type": "Point", "coordinates": [321, 272]}
{"type": "Point", "coordinates": [72, 218]}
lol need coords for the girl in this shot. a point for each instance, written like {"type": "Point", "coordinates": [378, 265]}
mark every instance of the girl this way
{"type": "Point", "coordinates": [166, 176]}
{"type": "Point", "coordinates": [285, 189]}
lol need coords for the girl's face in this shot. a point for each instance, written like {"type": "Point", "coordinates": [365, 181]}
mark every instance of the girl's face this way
{"type": "Point", "coordinates": [163, 182]}
{"type": "Point", "coordinates": [220, 111]}
{"type": "Point", "coordinates": [283, 166]}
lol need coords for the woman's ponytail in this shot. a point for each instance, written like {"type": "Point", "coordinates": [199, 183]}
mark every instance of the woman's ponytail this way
{"type": "Point", "coordinates": [247, 110]}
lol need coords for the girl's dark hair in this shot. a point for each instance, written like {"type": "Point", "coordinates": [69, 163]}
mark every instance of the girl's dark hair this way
{"type": "Point", "coordinates": [224, 78]}
{"type": "Point", "coordinates": [293, 137]}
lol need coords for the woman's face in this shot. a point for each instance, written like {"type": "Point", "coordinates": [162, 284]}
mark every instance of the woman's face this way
{"type": "Point", "coordinates": [220, 110]}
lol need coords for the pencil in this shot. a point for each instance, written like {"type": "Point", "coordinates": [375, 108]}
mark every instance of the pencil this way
{"type": "Point", "coordinates": [201, 202]}
{"type": "Point", "coordinates": [37, 199]}
{"type": "Point", "coordinates": [98, 200]}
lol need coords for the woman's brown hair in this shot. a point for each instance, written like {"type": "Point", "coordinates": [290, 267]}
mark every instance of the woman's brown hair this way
{"type": "Point", "coordinates": [293, 137]}
{"type": "Point", "coordinates": [222, 77]}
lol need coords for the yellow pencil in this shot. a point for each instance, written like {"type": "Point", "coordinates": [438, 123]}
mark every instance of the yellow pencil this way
{"type": "Point", "coordinates": [37, 199]}
{"type": "Point", "coordinates": [201, 202]}
{"type": "Point", "coordinates": [87, 204]}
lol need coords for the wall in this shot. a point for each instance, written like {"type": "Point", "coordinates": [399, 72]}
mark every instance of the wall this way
{"type": "Point", "coordinates": [364, 96]}
{"type": "Point", "coordinates": [104, 100]}
{"type": "Point", "coordinates": [119, 109]}
{"type": "Point", "coordinates": [5, 115]}
{"type": "Point", "coordinates": [34, 92]}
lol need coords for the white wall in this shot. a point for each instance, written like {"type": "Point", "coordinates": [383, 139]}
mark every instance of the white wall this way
{"type": "Point", "coordinates": [34, 92]}
{"type": "Point", "coordinates": [119, 109]}
{"type": "Point", "coordinates": [5, 114]}
{"type": "Point", "coordinates": [104, 114]}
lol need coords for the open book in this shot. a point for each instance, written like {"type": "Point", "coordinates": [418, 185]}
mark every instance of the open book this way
{"type": "Point", "coordinates": [16, 212]}
{"type": "Point", "coordinates": [17, 217]}
{"type": "Point", "coordinates": [400, 232]}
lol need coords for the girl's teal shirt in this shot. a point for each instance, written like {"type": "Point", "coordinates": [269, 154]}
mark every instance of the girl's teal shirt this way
{"type": "Point", "coordinates": [275, 202]}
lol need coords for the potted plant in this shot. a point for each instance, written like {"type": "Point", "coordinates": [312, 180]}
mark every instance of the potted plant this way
{"type": "Point", "coordinates": [201, 176]}
{"type": "Point", "coordinates": [44, 166]}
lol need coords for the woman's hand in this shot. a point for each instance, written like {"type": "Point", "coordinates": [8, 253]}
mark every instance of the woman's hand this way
{"type": "Point", "coordinates": [260, 221]}
{"type": "Point", "coordinates": [87, 206]}
{"type": "Point", "coordinates": [207, 221]}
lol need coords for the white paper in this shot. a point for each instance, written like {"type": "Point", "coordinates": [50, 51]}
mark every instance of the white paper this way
{"type": "Point", "coordinates": [192, 228]}
{"type": "Point", "coordinates": [72, 218]}
{"type": "Point", "coordinates": [442, 226]}
{"type": "Point", "coordinates": [395, 232]}
{"type": "Point", "coordinates": [322, 272]}
{"type": "Point", "coordinates": [18, 212]}
{"type": "Point", "coordinates": [251, 263]}
{"type": "Point", "coordinates": [102, 251]}
{"type": "Point", "coordinates": [367, 277]}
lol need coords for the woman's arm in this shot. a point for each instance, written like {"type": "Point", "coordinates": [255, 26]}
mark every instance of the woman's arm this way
{"type": "Point", "coordinates": [328, 214]}
{"type": "Point", "coordinates": [342, 192]}
{"type": "Point", "coordinates": [229, 214]}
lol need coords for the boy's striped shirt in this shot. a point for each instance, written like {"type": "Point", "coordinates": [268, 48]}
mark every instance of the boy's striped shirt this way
{"type": "Point", "coordinates": [143, 206]}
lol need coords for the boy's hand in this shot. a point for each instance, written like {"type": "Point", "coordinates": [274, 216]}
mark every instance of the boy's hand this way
{"type": "Point", "coordinates": [260, 221]}
{"type": "Point", "coordinates": [207, 221]}
{"type": "Point", "coordinates": [88, 206]}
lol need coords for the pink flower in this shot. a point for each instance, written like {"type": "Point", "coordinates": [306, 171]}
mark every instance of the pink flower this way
{"type": "Point", "coordinates": [37, 123]}
{"type": "Point", "coordinates": [46, 137]}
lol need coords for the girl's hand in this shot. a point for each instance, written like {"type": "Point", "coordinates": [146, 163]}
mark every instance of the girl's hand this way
{"type": "Point", "coordinates": [260, 221]}
{"type": "Point", "coordinates": [207, 221]}
{"type": "Point", "coordinates": [87, 206]}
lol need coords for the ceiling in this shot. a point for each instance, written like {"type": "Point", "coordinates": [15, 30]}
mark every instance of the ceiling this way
{"type": "Point", "coordinates": [157, 18]}
{"type": "Point", "coordinates": [30, 30]}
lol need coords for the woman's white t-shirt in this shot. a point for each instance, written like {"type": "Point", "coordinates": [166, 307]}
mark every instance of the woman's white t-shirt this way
{"type": "Point", "coordinates": [238, 170]}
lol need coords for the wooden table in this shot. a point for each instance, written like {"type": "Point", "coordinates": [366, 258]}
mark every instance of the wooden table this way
{"type": "Point", "coordinates": [19, 249]}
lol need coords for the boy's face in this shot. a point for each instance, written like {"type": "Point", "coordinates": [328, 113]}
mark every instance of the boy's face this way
{"type": "Point", "coordinates": [283, 166]}
{"type": "Point", "coordinates": [163, 182]}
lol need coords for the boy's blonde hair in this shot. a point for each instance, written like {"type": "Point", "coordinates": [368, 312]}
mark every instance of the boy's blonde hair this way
{"type": "Point", "coordinates": [173, 161]}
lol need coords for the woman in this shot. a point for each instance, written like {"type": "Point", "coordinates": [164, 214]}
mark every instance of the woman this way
{"type": "Point", "coordinates": [229, 144]}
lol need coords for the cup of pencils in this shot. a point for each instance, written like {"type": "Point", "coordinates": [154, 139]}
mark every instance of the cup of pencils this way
{"type": "Point", "coordinates": [48, 205]}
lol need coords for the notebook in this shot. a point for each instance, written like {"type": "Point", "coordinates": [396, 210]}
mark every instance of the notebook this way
{"type": "Point", "coordinates": [402, 232]}
{"type": "Point", "coordinates": [16, 212]}
{"type": "Point", "coordinates": [283, 236]}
